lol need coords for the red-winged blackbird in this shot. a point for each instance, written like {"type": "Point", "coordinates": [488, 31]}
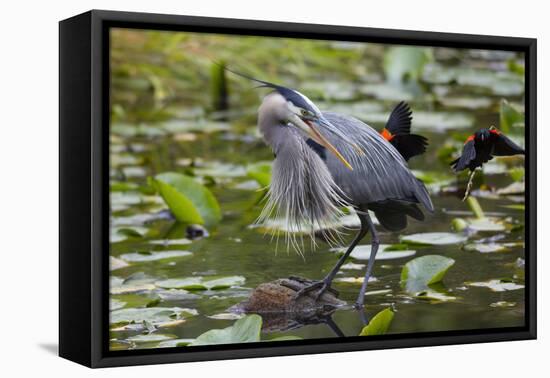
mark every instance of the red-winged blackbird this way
{"type": "Point", "coordinates": [481, 146]}
{"type": "Point", "coordinates": [398, 132]}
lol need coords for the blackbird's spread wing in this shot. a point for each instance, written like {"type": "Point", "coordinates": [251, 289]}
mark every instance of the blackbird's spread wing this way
{"type": "Point", "coordinates": [400, 119]}
{"type": "Point", "coordinates": [397, 132]}
{"type": "Point", "coordinates": [468, 154]}
{"type": "Point", "coordinates": [409, 145]}
{"type": "Point", "coordinates": [504, 146]}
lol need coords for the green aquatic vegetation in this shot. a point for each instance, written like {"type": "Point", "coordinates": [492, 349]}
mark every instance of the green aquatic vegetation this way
{"type": "Point", "coordinates": [418, 274]}
{"type": "Point", "coordinates": [406, 63]}
{"type": "Point", "coordinates": [146, 256]}
{"type": "Point", "coordinates": [491, 247]}
{"type": "Point", "coordinates": [116, 263]}
{"type": "Point", "coordinates": [244, 330]}
{"type": "Point", "coordinates": [510, 117]}
{"type": "Point", "coordinates": [150, 338]}
{"type": "Point", "coordinates": [433, 238]}
{"type": "Point", "coordinates": [199, 283]}
{"type": "Point", "coordinates": [379, 324]}
{"type": "Point", "coordinates": [188, 200]}
{"type": "Point", "coordinates": [497, 285]}
{"type": "Point", "coordinates": [385, 252]}
{"type": "Point", "coordinates": [486, 81]}
{"type": "Point", "coordinates": [173, 343]}
{"type": "Point", "coordinates": [480, 222]}
{"type": "Point", "coordinates": [115, 304]}
{"type": "Point", "coordinates": [219, 87]}
{"type": "Point", "coordinates": [261, 172]}
{"type": "Point", "coordinates": [517, 173]}
{"type": "Point", "coordinates": [285, 338]}
{"type": "Point", "coordinates": [118, 234]}
{"type": "Point", "coordinates": [153, 315]}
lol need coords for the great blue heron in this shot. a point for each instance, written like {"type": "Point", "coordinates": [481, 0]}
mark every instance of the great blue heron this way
{"type": "Point", "coordinates": [480, 147]}
{"type": "Point", "coordinates": [326, 160]}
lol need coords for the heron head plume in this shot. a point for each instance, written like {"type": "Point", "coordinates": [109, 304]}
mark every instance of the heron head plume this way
{"type": "Point", "coordinates": [290, 107]}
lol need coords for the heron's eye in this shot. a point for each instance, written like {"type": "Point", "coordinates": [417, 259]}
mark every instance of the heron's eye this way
{"type": "Point", "coordinates": [305, 113]}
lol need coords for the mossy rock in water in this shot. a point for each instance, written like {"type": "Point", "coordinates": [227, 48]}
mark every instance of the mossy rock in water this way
{"type": "Point", "coordinates": [280, 310]}
{"type": "Point", "coordinates": [280, 296]}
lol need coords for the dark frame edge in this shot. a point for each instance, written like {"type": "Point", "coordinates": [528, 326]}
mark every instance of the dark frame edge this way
{"type": "Point", "coordinates": [531, 178]}
{"type": "Point", "coordinates": [75, 323]}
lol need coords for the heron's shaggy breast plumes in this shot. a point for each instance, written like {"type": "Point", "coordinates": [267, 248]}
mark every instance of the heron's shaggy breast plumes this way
{"type": "Point", "coordinates": [302, 194]}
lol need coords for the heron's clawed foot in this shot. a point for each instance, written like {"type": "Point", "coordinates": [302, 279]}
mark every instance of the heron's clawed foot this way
{"type": "Point", "coordinates": [321, 286]}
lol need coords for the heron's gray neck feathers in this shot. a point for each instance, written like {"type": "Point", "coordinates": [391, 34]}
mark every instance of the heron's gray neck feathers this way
{"type": "Point", "coordinates": [270, 119]}
{"type": "Point", "coordinates": [302, 192]}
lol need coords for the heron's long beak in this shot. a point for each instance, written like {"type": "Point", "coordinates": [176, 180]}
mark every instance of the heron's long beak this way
{"type": "Point", "coordinates": [310, 129]}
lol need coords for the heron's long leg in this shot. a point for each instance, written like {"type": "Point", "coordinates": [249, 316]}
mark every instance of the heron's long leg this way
{"type": "Point", "coordinates": [375, 242]}
{"type": "Point", "coordinates": [327, 281]}
{"type": "Point", "coordinates": [334, 327]}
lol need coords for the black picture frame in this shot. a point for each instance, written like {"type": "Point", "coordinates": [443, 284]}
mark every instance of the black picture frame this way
{"type": "Point", "coordinates": [84, 194]}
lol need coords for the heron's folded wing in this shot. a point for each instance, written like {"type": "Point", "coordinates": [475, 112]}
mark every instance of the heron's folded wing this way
{"type": "Point", "coordinates": [380, 173]}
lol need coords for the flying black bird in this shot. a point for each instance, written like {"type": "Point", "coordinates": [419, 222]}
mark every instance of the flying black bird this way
{"type": "Point", "coordinates": [481, 147]}
{"type": "Point", "coordinates": [326, 160]}
{"type": "Point", "coordinates": [398, 132]}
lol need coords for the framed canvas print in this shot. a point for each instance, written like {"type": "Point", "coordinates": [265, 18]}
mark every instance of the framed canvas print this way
{"type": "Point", "coordinates": [234, 188]}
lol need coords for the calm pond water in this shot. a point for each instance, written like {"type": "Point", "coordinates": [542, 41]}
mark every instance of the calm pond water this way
{"type": "Point", "coordinates": [139, 224]}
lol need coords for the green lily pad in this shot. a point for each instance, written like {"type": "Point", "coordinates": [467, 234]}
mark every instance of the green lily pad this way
{"type": "Point", "coordinates": [153, 337]}
{"type": "Point", "coordinates": [497, 285]}
{"type": "Point", "coordinates": [116, 263]}
{"type": "Point", "coordinates": [515, 188]}
{"type": "Point", "coordinates": [198, 283]}
{"type": "Point", "coordinates": [490, 247]}
{"type": "Point", "coordinates": [226, 316]}
{"type": "Point", "coordinates": [423, 271]}
{"type": "Point", "coordinates": [486, 224]}
{"type": "Point", "coordinates": [379, 324]}
{"type": "Point", "coordinates": [433, 238]}
{"type": "Point", "coordinates": [261, 172]}
{"type": "Point", "coordinates": [220, 170]}
{"type": "Point", "coordinates": [173, 343]}
{"type": "Point", "coordinates": [131, 288]}
{"type": "Point", "coordinates": [509, 116]}
{"type": "Point", "coordinates": [402, 63]}
{"type": "Point", "coordinates": [472, 103]}
{"type": "Point", "coordinates": [285, 338]}
{"type": "Point", "coordinates": [442, 121]}
{"type": "Point", "coordinates": [387, 92]}
{"type": "Point", "coordinates": [153, 315]}
{"type": "Point", "coordinates": [517, 173]}
{"type": "Point", "coordinates": [503, 304]}
{"type": "Point", "coordinates": [189, 201]}
{"type": "Point", "coordinates": [116, 304]}
{"type": "Point", "coordinates": [385, 252]}
{"type": "Point", "coordinates": [203, 125]}
{"type": "Point", "coordinates": [244, 330]}
{"type": "Point", "coordinates": [434, 296]}
{"type": "Point", "coordinates": [153, 256]}
{"type": "Point", "coordinates": [118, 234]}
